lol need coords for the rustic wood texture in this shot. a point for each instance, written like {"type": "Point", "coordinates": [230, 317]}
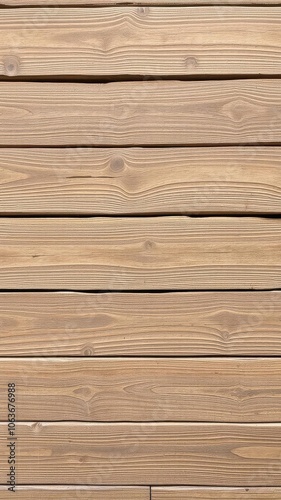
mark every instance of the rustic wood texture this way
{"type": "Point", "coordinates": [139, 324]}
{"type": "Point", "coordinates": [141, 180]}
{"type": "Point", "coordinates": [99, 3]}
{"type": "Point", "coordinates": [145, 454]}
{"type": "Point", "coordinates": [140, 41]}
{"type": "Point", "coordinates": [142, 253]}
{"type": "Point", "coordinates": [114, 390]}
{"type": "Point", "coordinates": [216, 493]}
{"type": "Point", "coordinates": [140, 113]}
{"type": "Point", "coordinates": [76, 492]}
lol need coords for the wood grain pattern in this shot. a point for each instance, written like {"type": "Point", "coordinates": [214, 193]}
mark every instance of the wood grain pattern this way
{"type": "Point", "coordinates": [216, 493]}
{"type": "Point", "coordinates": [140, 41]}
{"type": "Point", "coordinates": [140, 324]}
{"type": "Point", "coordinates": [140, 180]}
{"type": "Point", "coordinates": [143, 253]}
{"type": "Point", "coordinates": [78, 492]}
{"type": "Point", "coordinates": [140, 113]}
{"type": "Point", "coordinates": [48, 4]}
{"type": "Point", "coordinates": [112, 390]}
{"type": "Point", "coordinates": [145, 454]}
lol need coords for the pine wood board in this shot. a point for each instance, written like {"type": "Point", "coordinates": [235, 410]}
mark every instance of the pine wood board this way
{"type": "Point", "coordinates": [50, 4]}
{"type": "Point", "coordinates": [76, 492]}
{"type": "Point", "coordinates": [141, 113]}
{"type": "Point", "coordinates": [140, 324]}
{"type": "Point", "coordinates": [126, 181]}
{"type": "Point", "coordinates": [143, 389]}
{"type": "Point", "coordinates": [146, 454]}
{"type": "Point", "coordinates": [140, 253]}
{"type": "Point", "coordinates": [140, 41]}
{"type": "Point", "coordinates": [216, 493]}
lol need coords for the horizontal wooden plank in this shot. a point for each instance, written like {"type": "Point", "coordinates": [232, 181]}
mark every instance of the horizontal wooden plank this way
{"type": "Point", "coordinates": [110, 390]}
{"type": "Point", "coordinates": [48, 4]}
{"type": "Point", "coordinates": [140, 180]}
{"type": "Point", "coordinates": [136, 324]}
{"type": "Point", "coordinates": [140, 41]}
{"type": "Point", "coordinates": [140, 253]}
{"type": "Point", "coordinates": [215, 493]}
{"type": "Point", "coordinates": [144, 454]}
{"type": "Point", "coordinates": [76, 492]}
{"type": "Point", "coordinates": [140, 113]}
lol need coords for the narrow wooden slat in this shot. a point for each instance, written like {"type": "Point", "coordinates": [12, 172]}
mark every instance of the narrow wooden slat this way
{"type": "Point", "coordinates": [99, 3]}
{"type": "Point", "coordinates": [145, 454]}
{"type": "Point", "coordinates": [75, 493]}
{"type": "Point", "coordinates": [141, 41]}
{"type": "Point", "coordinates": [216, 493]}
{"type": "Point", "coordinates": [109, 390]}
{"type": "Point", "coordinates": [140, 180]}
{"type": "Point", "coordinates": [136, 324]}
{"type": "Point", "coordinates": [140, 113]}
{"type": "Point", "coordinates": [143, 253]}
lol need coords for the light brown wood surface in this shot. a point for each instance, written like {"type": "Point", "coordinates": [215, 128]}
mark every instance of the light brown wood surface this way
{"type": "Point", "coordinates": [141, 180]}
{"type": "Point", "coordinates": [140, 324]}
{"type": "Point", "coordinates": [216, 493]}
{"type": "Point", "coordinates": [142, 389]}
{"type": "Point", "coordinates": [140, 113]}
{"type": "Point", "coordinates": [50, 4]}
{"type": "Point", "coordinates": [129, 136]}
{"type": "Point", "coordinates": [140, 41]}
{"type": "Point", "coordinates": [142, 253]}
{"type": "Point", "coordinates": [76, 493]}
{"type": "Point", "coordinates": [146, 454]}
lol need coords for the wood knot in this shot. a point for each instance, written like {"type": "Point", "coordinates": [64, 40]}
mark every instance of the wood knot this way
{"type": "Point", "coordinates": [11, 66]}
{"type": "Point", "coordinates": [191, 63]}
{"type": "Point", "coordinates": [36, 427]}
{"type": "Point", "coordinates": [88, 351]}
{"type": "Point", "coordinates": [117, 164]}
{"type": "Point", "coordinates": [148, 245]}
{"type": "Point", "coordinates": [143, 11]}
{"type": "Point", "coordinates": [83, 392]}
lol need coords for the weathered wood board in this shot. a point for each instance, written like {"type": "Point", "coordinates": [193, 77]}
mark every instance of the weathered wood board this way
{"type": "Point", "coordinates": [76, 492]}
{"type": "Point", "coordinates": [141, 181]}
{"type": "Point", "coordinates": [143, 389]}
{"type": "Point", "coordinates": [165, 113]}
{"type": "Point", "coordinates": [142, 253]}
{"type": "Point", "coordinates": [140, 41]}
{"type": "Point", "coordinates": [216, 493]}
{"type": "Point", "coordinates": [140, 324]}
{"type": "Point", "coordinates": [145, 454]}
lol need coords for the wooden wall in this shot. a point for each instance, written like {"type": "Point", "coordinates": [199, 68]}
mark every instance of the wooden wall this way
{"type": "Point", "coordinates": [140, 249]}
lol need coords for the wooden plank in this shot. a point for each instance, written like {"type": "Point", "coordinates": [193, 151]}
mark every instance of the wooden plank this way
{"type": "Point", "coordinates": [143, 253]}
{"type": "Point", "coordinates": [140, 180]}
{"type": "Point", "coordinates": [76, 492]}
{"type": "Point", "coordinates": [216, 493]}
{"type": "Point", "coordinates": [140, 113]}
{"type": "Point", "coordinates": [109, 390]}
{"type": "Point", "coordinates": [144, 454]}
{"type": "Point", "coordinates": [140, 41]}
{"type": "Point", "coordinates": [140, 324]}
{"type": "Point", "coordinates": [48, 4]}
